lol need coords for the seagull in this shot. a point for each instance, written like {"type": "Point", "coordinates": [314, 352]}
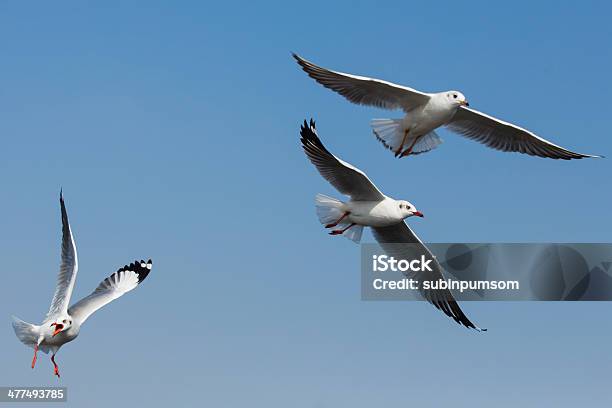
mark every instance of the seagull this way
{"type": "Point", "coordinates": [63, 323]}
{"type": "Point", "coordinates": [369, 207]}
{"type": "Point", "coordinates": [425, 112]}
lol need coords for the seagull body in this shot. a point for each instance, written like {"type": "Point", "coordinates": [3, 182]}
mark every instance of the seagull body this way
{"type": "Point", "coordinates": [383, 213]}
{"type": "Point", "coordinates": [63, 323]}
{"type": "Point", "coordinates": [369, 207]}
{"type": "Point", "coordinates": [425, 112]}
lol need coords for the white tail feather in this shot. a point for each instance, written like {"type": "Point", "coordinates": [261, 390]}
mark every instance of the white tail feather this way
{"type": "Point", "coordinates": [27, 333]}
{"type": "Point", "coordinates": [390, 132]}
{"type": "Point", "coordinates": [329, 209]}
{"type": "Point", "coordinates": [426, 143]}
{"type": "Point", "coordinates": [354, 233]}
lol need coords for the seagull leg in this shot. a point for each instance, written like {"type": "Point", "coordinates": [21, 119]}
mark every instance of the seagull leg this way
{"type": "Point", "coordinates": [34, 358]}
{"type": "Point", "coordinates": [55, 367]}
{"type": "Point", "coordinates": [399, 149]}
{"type": "Point", "coordinates": [408, 151]}
{"type": "Point", "coordinates": [333, 224]}
{"type": "Point", "coordinates": [342, 231]}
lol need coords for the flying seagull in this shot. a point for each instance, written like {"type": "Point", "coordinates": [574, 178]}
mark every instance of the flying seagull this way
{"type": "Point", "coordinates": [425, 112]}
{"type": "Point", "coordinates": [369, 207]}
{"type": "Point", "coordinates": [63, 323]}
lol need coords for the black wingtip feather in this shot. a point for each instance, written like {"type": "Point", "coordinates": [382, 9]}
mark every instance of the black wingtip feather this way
{"type": "Point", "coordinates": [308, 67]}
{"type": "Point", "coordinates": [65, 224]}
{"type": "Point", "coordinates": [461, 318]}
{"type": "Point", "coordinates": [299, 59]}
{"type": "Point", "coordinates": [309, 137]}
{"type": "Point", "coordinates": [140, 268]}
{"type": "Point", "coordinates": [451, 309]}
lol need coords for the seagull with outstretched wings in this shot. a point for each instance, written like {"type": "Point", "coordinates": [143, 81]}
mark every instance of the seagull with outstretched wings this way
{"type": "Point", "coordinates": [415, 133]}
{"type": "Point", "coordinates": [63, 323]}
{"type": "Point", "coordinates": [369, 207]}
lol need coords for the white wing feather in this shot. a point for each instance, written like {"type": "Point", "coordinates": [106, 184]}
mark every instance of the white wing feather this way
{"type": "Point", "coordinates": [116, 285]}
{"type": "Point", "coordinates": [68, 269]}
{"type": "Point", "coordinates": [400, 242]}
{"type": "Point", "coordinates": [363, 90]}
{"type": "Point", "coordinates": [505, 136]}
{"type": "Point", "coordinates": [344, 177]}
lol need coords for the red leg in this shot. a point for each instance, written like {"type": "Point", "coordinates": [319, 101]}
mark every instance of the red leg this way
{"type": "Point", "coordinates": [333, 224]}
{"type": "Point", "coordinates": [34, 358]}
{"type": "Point", "coordinates": [342, 231]}
{"type": "Point", "coordinates": [409, 150]}
{"type": "Point", "coordinates": [55, 367]}
{"type": "Point", "coordinates": [399, 149]}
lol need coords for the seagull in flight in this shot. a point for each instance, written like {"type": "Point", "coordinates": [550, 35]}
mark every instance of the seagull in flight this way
{"type": "Point", "coordinates": [369, 207]}
{"type": "Point", "coordinates": [425, 112]}
{"type": "Point", "coordinates": [63, 323]}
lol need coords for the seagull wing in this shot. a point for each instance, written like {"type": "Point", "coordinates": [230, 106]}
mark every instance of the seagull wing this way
{"type": "Point", "coordinates": [345, 178]}
{"type": "Point", "coordinates": [391, 239]}
{"type": "Point", "coordinates": [363, 90]}
{"type": "Point", "coordinates": [116, 285]}
{"type": "Point", "coordinates": [505, 136]}
{"type": "Point", "coordinates": [68, 268]}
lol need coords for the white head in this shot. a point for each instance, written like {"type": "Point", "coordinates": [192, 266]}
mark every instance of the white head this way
{"type": "Point", "coordinates": [408, 210]}
{"type": "Point", "coordinates": [456, 98]}
{"type": "Point", "coordinates": [61, 324]}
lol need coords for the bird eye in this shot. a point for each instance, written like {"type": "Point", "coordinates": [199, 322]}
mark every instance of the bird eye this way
{"type": "Point", "coordinates": [455, 96]}
{"type": "Point", "coordinates": [64, 321]}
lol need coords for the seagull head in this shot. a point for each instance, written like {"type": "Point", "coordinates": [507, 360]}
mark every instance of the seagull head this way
{"type": "Point", "coordinates": [61, 325]}
{"type": "Point", "coordinates": [408, 210]}
{"type": "Point", "coordinates": [457, 98]}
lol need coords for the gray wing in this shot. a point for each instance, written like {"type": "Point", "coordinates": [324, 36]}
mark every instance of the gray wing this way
{"type": "Point", "coordinates": [68, 268]}
{"type": "Point", "coordinates": [364, 90]}
{"type": "Point", "coordinates": [344, 177]}
{"type": "Point", "coordinates": [400, 242]}
{"type": "Point", "coordinates": [505, 136]}
{"type": "Point", "coordinates": [116, 285]}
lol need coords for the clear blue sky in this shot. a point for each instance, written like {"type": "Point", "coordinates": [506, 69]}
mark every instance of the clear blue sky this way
{"type": "Point", "coordinates": [173, 130]}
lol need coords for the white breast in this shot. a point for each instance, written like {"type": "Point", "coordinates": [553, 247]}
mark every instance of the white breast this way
{"type": "Point", "coordinates": [437, 112]}
{"type": "Point", "coordinates": [375, 214]}
{"type": "Point", "coordinates": [62, 337]}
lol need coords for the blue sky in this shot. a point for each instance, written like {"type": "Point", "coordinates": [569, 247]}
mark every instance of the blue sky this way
{"type": "Point", "coordinates": [173, 130]}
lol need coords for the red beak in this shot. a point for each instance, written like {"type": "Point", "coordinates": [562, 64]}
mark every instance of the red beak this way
{"type": "Point", "coordinates": [418, 214]}
{"type": "Point", "coordinates": [58, 328]}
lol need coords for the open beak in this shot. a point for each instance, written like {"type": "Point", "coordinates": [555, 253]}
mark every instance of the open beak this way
{"type": "Point", "coordinates": [418, 214]}
{"type": "Point", "coordinates": [58, 328]}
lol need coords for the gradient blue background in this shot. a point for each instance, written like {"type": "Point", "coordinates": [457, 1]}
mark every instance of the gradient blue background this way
{"type": "Point", "coordinates": [173, 130]}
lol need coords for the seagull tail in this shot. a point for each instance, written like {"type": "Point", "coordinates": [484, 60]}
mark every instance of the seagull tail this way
{"type": "Point", "coordinates": [390, 132]}
{"type": "Point", "coordinates": [354, 233]}
{"type": "Point", "coordinates": [426, 143]}
{"type": "Point", "coordinates": [27, 333]}
{"type": "Point", "coordinates": [329, 209]}
{"type": "Point", "coordinates": [333, 211]}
